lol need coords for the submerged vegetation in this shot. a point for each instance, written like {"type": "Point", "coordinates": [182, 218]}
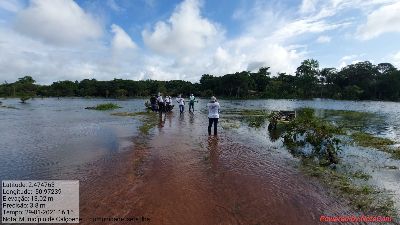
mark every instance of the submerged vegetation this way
{"type": "Point", "coordinates": [368, 140]}
{"type": "Point", "coordinates": [307, 129]}
{"type": "Point", "coordinates": [254, 118]}
{"type": "Point", "coordinates": [24, 98]}
{"type": "Point", "coordinates": [317, 139]}
{"type": "Point", "coordinates": [379, 143]}
{"type": "Point", "coordinates": [105, 106]}
{"type": "Point", "coordinates": [353, 120]}
{"type": "Point", "coordinates": [363, 196]}
{"type": "Point", "coordinates": [149, 119]}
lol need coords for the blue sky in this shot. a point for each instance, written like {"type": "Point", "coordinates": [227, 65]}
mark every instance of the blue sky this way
{"type": "Point", "coordinates": [55, 40]}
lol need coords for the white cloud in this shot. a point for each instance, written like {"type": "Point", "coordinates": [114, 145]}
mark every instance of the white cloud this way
{"type": "Point", "coordinates": [60, 22]}
{"type": "Point", "coordinates": [308, 6]}
{"type": "Point", "coordinates": [113, 5]}
{"type": "Point", "coordinates": [324, 39]}
{"type": "Point", "coordinates": [350, 59]}
{"type": "Point", "coordinates": [185, 32]}
{"type": "Point", "coordinates": [383, 20]}
{"type": "Point", "coordinates": [396, 59]}
{"type": "Point", "coordinates": [55, 41]}
{"type": "Point", "coordinates": [121, 39]}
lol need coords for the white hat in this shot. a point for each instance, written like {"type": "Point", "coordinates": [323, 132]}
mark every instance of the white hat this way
{"type": "Point", "coordinates": [214, 99]}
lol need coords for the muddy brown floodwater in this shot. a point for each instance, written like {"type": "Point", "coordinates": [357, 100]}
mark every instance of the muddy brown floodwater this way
{"type": "Point", "coordinates": [179, 175]}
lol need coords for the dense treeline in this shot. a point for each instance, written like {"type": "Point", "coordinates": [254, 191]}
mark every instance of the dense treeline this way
{"type": "Point", "coordinates": [359, 81]}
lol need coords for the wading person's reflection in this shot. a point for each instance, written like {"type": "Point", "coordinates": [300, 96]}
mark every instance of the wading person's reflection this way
{"type": "Point", "coordinates": [161, 121]}
{"type": "Point", "coordinates": [213, 150]}
{"type": "Point", "coordinates": [191, 118]}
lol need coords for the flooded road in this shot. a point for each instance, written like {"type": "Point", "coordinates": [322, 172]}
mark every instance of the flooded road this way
{"type": "Point", "coordinates": [187, 177]}
{"type": "Point", "coordinates": [177, 174]}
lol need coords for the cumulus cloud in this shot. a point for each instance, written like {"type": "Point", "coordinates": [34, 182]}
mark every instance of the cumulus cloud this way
{"type": "Point", "coordinates": [53, 40]}
{"type": "Point", "coordinates": [350, 59]}
{"type": "Point", "coordinates": [185, 32]}
{"type": "Point", "coordinates": [121, 39]}
{"type": "Point", "coordinates": [383, 20]}
{"type": "Point", "coordinates": [59, 22]}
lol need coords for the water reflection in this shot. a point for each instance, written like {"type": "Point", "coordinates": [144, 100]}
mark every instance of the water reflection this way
{"type": "Point", "coordinates": [213, 150]}
{"type": "Point", "coordinates": [161, 120]}
{"type": "Point", "coordinates": [191, 118]}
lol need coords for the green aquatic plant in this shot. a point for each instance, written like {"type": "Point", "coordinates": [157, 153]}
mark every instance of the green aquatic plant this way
{"type": "Point", "coordinates": [24, 98]}
{"type": "Point", "coordinates": [307, 129]}
{"type": "Point", "coordinates": [105, 106]}
{"type": "Point", "coordinates": [255, 121]}
{"type": "Point", "coordinates": [148, 118]}
{"type": "Point", "coordinates": [360, 175]}
{"type": "Point", "coordinates": [361, 196]}
{"type": "Point", "coordinates": [396, 153]}
{"type": "Point", "coordinates": [254, 117]}
{"type": "Point", "coordinates": [230, 124]}
{"type": "Point", "coordinates": [378, 143]}
{"type": "Point", "coordinates": [148, 122]}
{"type": "Point", "coordinates": [253, 112]}
{"type": "Point", "coordinates": [353, 120]}
{"type": "Point", "coordinates": [368, 140]}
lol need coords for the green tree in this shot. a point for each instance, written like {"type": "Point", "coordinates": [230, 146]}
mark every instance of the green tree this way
{"type": "Point", "coordinates": [25, 88]}
{"type": "Point", "coordinates": [307, 80]}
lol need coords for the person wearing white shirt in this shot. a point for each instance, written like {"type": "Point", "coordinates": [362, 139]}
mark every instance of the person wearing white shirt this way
{"type": "Point", "coordinates": [213, 114]}
{"type": "Point", "coordinates": [160, 102]}
{"type": "Point", "coordinates": [191, 102]}
{"type": "Point", "coordinates": [167, 100]}
{"type": "Point", "coordinates": [181, 102]}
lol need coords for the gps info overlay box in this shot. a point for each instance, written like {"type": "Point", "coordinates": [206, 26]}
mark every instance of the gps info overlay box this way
{"type": "Point", "coordinates": [40, 201]}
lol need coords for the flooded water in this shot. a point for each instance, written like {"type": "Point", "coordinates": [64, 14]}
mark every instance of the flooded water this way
{"type": "Point", "coordinates": [47, 138]}
{"type": "Point", "coordinates": [178, 174]}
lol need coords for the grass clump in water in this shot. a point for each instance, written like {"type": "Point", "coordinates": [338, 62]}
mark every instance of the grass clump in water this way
{"type": "Point", "coordinates": [148, 118]}
{"type": "Point", "coordinates": [105, 106]}
{"type": "Point", "coordinates": [309, 130]}
{"type": "Point", "coordinates": [379, 143]}
{"type": "Point", "coordinates": [395, 153]}
{"type": "Point", "coordinates": [254, 118]}
{"type": "Point", "coordinates": [368, 140]}
{"type": "Point", "coordinates": [360, 175]}
{"type": "Point", "coordinates": [353, 120]}
{"type": "Point", "coordinates": [362, 197]}
{"type": "Point", "coordinates": [230, 124]}
{"type": "Point", "coordinates": [148, 123]}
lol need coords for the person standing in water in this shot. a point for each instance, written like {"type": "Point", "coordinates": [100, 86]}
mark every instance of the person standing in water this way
{"type": "Point", "coordinates": [213, 114]}
{"type": "Point", "coordinates": [191, 102]}
{"type": "Point", "coordinates": [181, 102]}
{"type": "Point", "coordinates": [153, 103]}
{"type": "Point", "coordinates": [160, 102]}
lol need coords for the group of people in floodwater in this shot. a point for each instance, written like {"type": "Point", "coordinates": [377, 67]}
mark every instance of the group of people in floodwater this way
{"type": "Point", "coordinates": [160, 104]}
